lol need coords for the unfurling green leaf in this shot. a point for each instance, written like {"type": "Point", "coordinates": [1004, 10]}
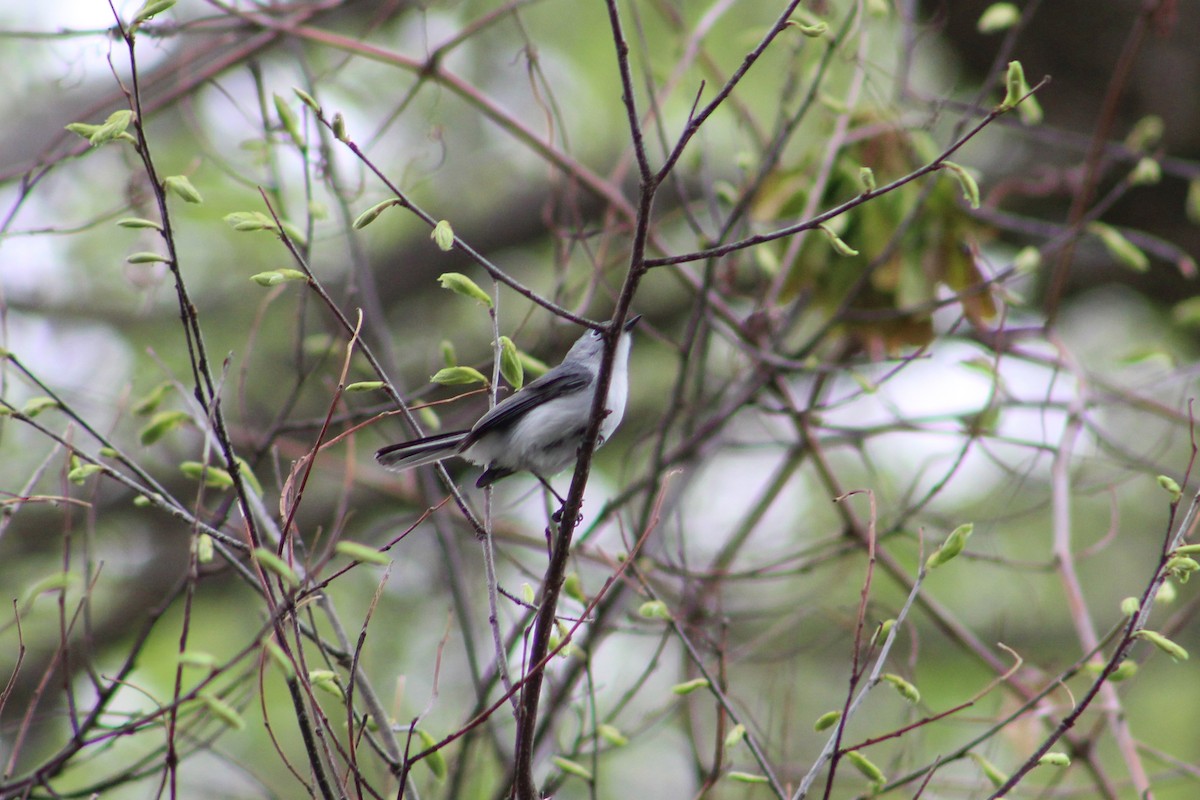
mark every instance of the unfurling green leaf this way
{"type": "Point", "coordinates": [204, 548]}
{"type": "Point", "coordinates": [1146, 134]}
{"type": "Point", "coordinates": [198, 658]}
{"type": "Point", "coordinates": [182, 188]}
{"type": "Point", "coordinates": [326, 680]}
{"type": "Point", "coordinates": [1015, 85]}
{"type": "Point", "coordinates": [36, 405]}
{"type": "Point", "coordinates": [442, 235]}
{"type": "Point", "coordinates": [995, 776]}
{"type": "Point", "coordinates": [289, 121]}
{"type": "Point", "coordinates": [998, 17]}
{"type": "Point", "coordinates": [110, 129]}
{"type": "Point", "coordinates": [461, 284]}
{"type": "Point", "coordinates": [905, 689]}
{"type": "Point", "coordinates": [866, 177]}
{"type": "Point", "coordinates": [138, 222]}
{"type": "Point", "coordinates": [688, 687]}
{"type": "Point", "coordinates": [246, 221]}
{"type": "Point", "coordinates": [147, 257]}
{"type": "Point", "coordinates": [839, 247]}
{"type": "Point", "coordinates": [573, 588]}
{"type": "Point", "coordinates": [365, 386]}
{"type": "Point", "coordinates": [736, 734]}
{"type": "Point", "coordinates": [80, 474]}
{"type": "Point", "coordinates": [1127, 670]}
{"type": "Point", "coordinates": [966, 182]}
{"type": "Point", "coordinates": [367, 217]}
{"type": "Point", "coordinates": [1130, 606]}
{"type": "Point", "coordinates": [1120, 248]}
{"type": "Point", "coordinates": [160, 424]}
{"type": "Point", "coordinates": [827, 721]}
{"type": "Point", "coordinates": [1055, 760]}
{"type": "Point", "coordinates": [280, 658]}
{"type": "Point", "coordinates": [954, 544]}
{"type": "Point", "coordinates": [864, 765]}
{"type": "Point", "coordinates": [271, 562]}
{"type": "Point", "coordinates": [339, 127]}
{"type": "Point", "coordinates": [1027, 260]}
{"type": "Point", "coordinates": [362, 552]}
{"type": "Point", "coordinates": [449, 356]}
{"type": "Point", "coordinates": [222, 710]}
{"type": "Point", "coordinates": [654, 609]}
{"type": "Point", "coordinates": [458, 376]}
{"type": "Point", "coordinates": [1146, 172]}
{"type": "Point", "coordinates": [572, 768]}
{"type": "Point", "coordinates": [275, 277]}
{"type": "Point", "coordinates": [813, 31]}
{"type": "Point", "coordinates": [435, 760]}
{"type": "Point", "coordinates": [747, 777]}
{"type": "Point", "coordinates": [150, 9]}
{"type": "Point", "coordinates": [612, 735]}
{"type": "Point", "coordinates": [1171, 487]}
{"type": "Point", "coordinates": [510, 363]}
{"type": "Point", "coordinates": [213, 477]}
{"type": "Point", "coordinates": [1175, 651]}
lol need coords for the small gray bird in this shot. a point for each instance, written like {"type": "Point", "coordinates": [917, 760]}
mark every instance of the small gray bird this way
{"type": "Point", "coordinates": [540, 428]}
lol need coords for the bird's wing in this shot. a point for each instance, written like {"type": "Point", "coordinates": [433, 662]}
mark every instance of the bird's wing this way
{"type": "Point", "coordinates": [560, 381]}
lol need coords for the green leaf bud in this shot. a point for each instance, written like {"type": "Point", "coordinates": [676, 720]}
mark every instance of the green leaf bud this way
{"type": "Point", "coordinates": [307, 99]}
{"type": "Point", "coordinates": [839, 247]}
{"type": "Point", "coordinates": [182, 188]}
{"type": "Point", "coordinates": [147, 257]}
{"type": "Point", "coordinates": [443, 235]}
{"type": "Point", "coordinates": [271, 562]}
{"type": "Point", "coordinates": [435, 760]}
{"type": "Point", "coordinates": [736, 734]}
{"type": "Point", "coordinates": [966, 182]}
{"type": "Point", "coordinates": [1130, 606]}
{"type": "Point", "coordinates": [1055, 760]}
{"type": "Point", "coordinates": [510, 363]}
{"type": "Point", "coordinates": [654, 609]}
{"type": "Point", "coordinates": [462, 285]}
{"type": "Point", "coordinates": [954, 544]}
{"type": "Point", "coordinates": [289, 121]}
{"type": "Point", "coordinates": [1171, 487]}
{"type": "Point", "coordinates": [361, 552]}
{"type": "Point", "coordinates": [222, 710]}
{"type": "Point", "coordinates": [994, 776]}
{"type": "Point", "coordinates": [864, 765]}
{"type": "Point", "coordinates": [1120, 248]}
{"type": "Point", "coordinates": [746, 777]}
{"type": "Point", "coordinates": [572, 768]}
{"type": "Point", "coordinates": [458, 376]}
{"type": "Point", "coordinates": [213, 477]}
{"type": "Point", "coordinates": [1175, 651]}
{"type": "Point", "coordinates": [138, 222]}
{"type": "Point", "coordinates": [204, 548]}
{"type": "Point", "coordinates": [687, 687]}
{"type": "Point", "coordinates": [998, 17]}
{"type": "Point", "coordinates": [612, 735]}
{"type": "Point", "coordinates": [827, 721]}
{"type": "Point", "coordinates": [367, 217]}
{"type": "Point", "coordinates": [364, 386]}
{"type": "Point", "coordinates": [866, 177]}
{"type": "Point", "coordinates": [905, 689]}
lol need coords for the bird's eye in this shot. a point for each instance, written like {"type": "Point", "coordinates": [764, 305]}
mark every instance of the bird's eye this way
{"type": "Point", "coordinates": [595, 333]}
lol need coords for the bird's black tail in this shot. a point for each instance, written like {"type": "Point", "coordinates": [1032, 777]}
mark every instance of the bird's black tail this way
{"type": "Point", "coordinates": [398, 457]}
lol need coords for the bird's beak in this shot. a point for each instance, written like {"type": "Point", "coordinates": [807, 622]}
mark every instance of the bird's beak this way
{"type": "Point", "coordinates": [632, 322]}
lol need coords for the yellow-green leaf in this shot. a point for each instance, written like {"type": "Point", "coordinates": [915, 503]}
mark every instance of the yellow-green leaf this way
{"type": "Point", "coordinates": [1120, 248]}
{"type": "Point", "coordinates": [839, 247]}
{"type": "Point", "coordinates": [367, 217]}
{"type": "Point", "coordinates": [364, 386]}
{"type": "Point", "coordinates": [36, 405]}
{"type": "Point", "coordinates": [361, 552]}
{"type": "Point", "coordinates": [458, 376]}
{"type": "Point", "coordinates": [998, 17]}
{"type": "Point", "coordinates": [827, 721]}
{"type": "Point", "coordinates": [687, 687]}
{"type": "Point", "coordinates": [954, 544]}
{"type": "Point", "coordinates": [747, 777]}
{"type": "Point", "coordinates": [289, 121]}
{"type": "Point", "coordinates": [510, 363]}
{"type": "Point", "coordinates": [150, 9]}
{"type": "Point", "coordinates": [435, 760]}
{"type": "Point", "coordinates": [138, 222]}
{"type": "Point", "coordinates": [905, 689]}
{"type": "Point", "coordinates": [572, 768]}
{"type": "Point", "coordinates": [462, 285]}
{"type": "Point", "coordinates": [612, 735]}
{"type": "Point", "coordinates": [442, 235]}
{"type": "Point", "coordinates": [147, 257]}
{"type": "Point", "coordinates": [864, 765]}
{"type": "Point", "coordinates": [271, 562]}
{"type": "Point", "coordinates": [1175, 651]}
{"type": "Point", "coordinates": [966, 182]}
{"type": "Point", "coordinates": [222, 710]}
{"type": "Point", "coordinates": [182, 188]}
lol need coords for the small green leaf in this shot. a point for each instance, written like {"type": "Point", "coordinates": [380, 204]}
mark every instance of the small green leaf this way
{"type": "Point", "coordinates": [435, 760]}
{"type": "Point", "coordinates": [1127, 670]}
{"type": "Point", "coordinates": [248, 221]}
{"type": "Point", "coordinates": [1187, 550]}
{"type": "Point", "coordinates": [182, 188]}
{"type": "Point", "coordinates": [56, 582]}
{"type": "Point", "coordinates": [111, 128]}
{"type": "Point", "coordinates": [1027, 260]}
{"type": "Point", "coordinates": [204, 548]}
{"type": "Point", "coordinates": [573, 588]}
{"type": "Point", "coordinates": [365, 386]}
{"type": "Point", "coordinates": [147, 257]}
{"type": "Point", "coordinates": [688, 687]}
{"type": "Point", "coordinates": [903, 687]}
{"type": "Point", "coordinates": [326, 680]}
{"type": "Point", "coordinates": [150, 9]}
{"type": "Point", "coordinates": [572, 768]}
{"type": "Point", "coordinates": [248, 476]}
{"type": "Point", "coordinates": [1146, 172]}
{"type": "Point", "coordinates": [864, 765]}
{"type": "Point", "coordinates": [84, 129]}
{"type": "Point", "coordinates": [813, 31]}
{"type": "Point", "coordinates": [213, 477]}
{"type": "Point", "coordinates": [1187, 313]}
{"type": "Point", "coordinates": [361, 552]}
{"type": "Point", "coordinates": [36, 405]}
{"type": "Point", "coordinates": [280, 658]}
{"type": "Point", "coordinates": [510, 363]}
{"type": "Point", "coordinates": [275, 277]}
{"type": "Point", "coordinates": [271, 562]}
{"type": "Point", "coordinates": [222, 710]}
{"type": "Point", "coordinates": [881, 632]}
{"type": "Point", "coordinates": [289, 121]}
{"type": "Point", "coordinates": [1120, 248]}
{"type": "Point", "coordinates": [307, 99]}
{"type": "Point", "coordinates": [462, 285]}
{"type": "Point", "coordinates": [839, 247]}
{"type": "Point", "coordinates": [458, 376]}
{"type": "Point", "coordinates": [1171, 487]}
{"type": "Point", "coordinates": [150, 403]}
{"type": "Point", "coordinates": [339, 127]}
{"type": "Point", "coordinates": [138, 222]}
{"type": "Point", "coordinates": [654, 609]}
{"type": "Point", "coordinates": [866, 177]}
{"type": "Point", "coordinates": [1130, 606]}
{"type": "Point", "coordinates": [527, 593]}
{"type": "Point", "coordinates": [612, 735]}
{"type": "Point", "coordinates": [1146, 134]}
{"type": "Point", "coordinates": [966, 182]}
{"type": "Point", "coordinates": [443, 235]}
{"type": "Point", "coordinates": [80, 474]}
{"type": "Point", "coordinates": [827, 721]}
{"type": "Point", "coordinates": [1055, 760]}
{"type": "Point", "coordinates": [533, 366]}
{"type": "Point", "coordinates": [736, 734]}
{"type": "Point", "coordinates": [998, 17]}
{"type": "Point", "coordinates": [367, 217]}
{"type": "Point", "coordinates": [994, 776]}
{"type": "Point", "coordinates": [746, 777]}
{"type": "Point", "coordinates": [954, 544]}
{"type": "Point", "coordinates": [1175, 651]}
{"type": "Point", "coordinates": [1015, 85]}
